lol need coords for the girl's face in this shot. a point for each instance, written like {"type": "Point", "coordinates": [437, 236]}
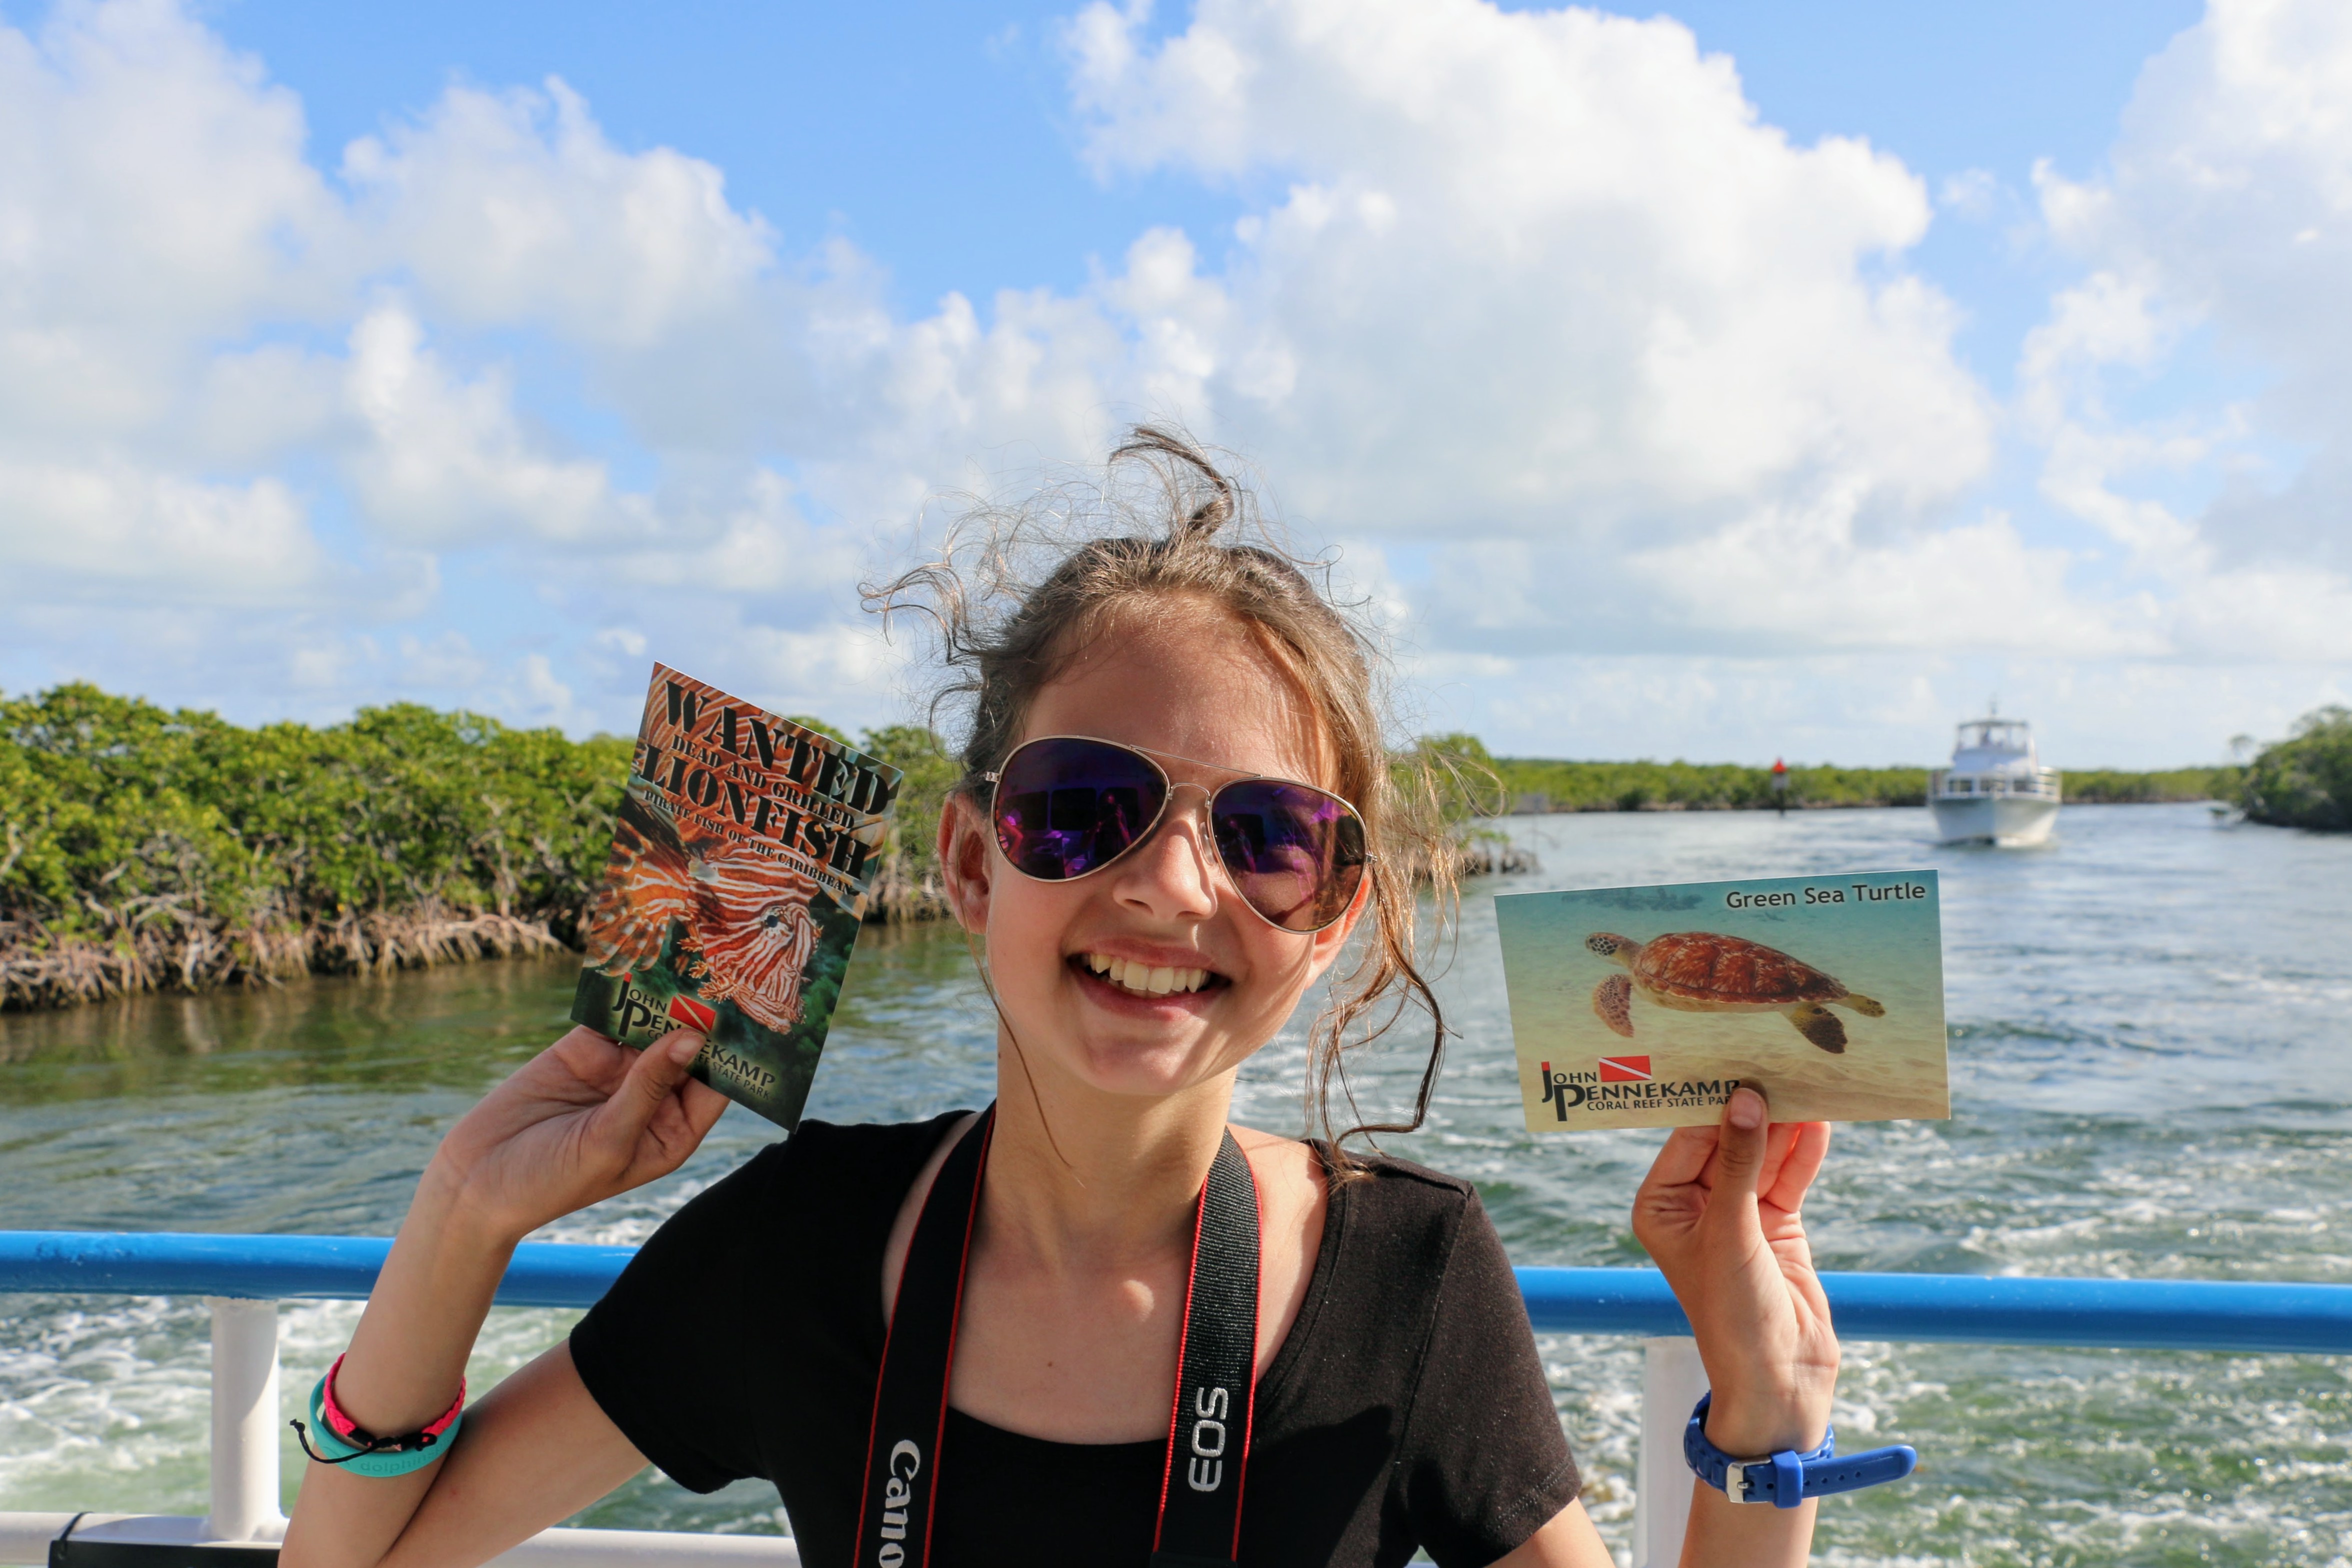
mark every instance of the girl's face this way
{"type": "Point", "coordinates": [1190, 686]}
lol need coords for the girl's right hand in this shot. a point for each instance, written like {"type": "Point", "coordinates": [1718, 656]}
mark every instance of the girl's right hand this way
{"type": "Point", "coordinates": [1722, 1213]}
{"type": "Point", "coordinates": [579, 1122]}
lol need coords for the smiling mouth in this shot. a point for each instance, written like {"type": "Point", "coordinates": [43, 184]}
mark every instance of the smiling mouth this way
{"type": "Point", "coordinates": [1143, 980]}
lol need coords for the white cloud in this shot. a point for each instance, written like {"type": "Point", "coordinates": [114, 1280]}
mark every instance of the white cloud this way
{"type": "Point", "coordinates": [447, 461]}
{"type": "Point", "coordinates": [447, 662]}
{"type": "Point", "coordinates": [514, 207]}
{"type": "Point", "coordinates": [1865, 709]}
{"type": "Point", "coordinates": [117, 533]}
{"type": "Point", "coordinates": [1974, 194]}
{"type": "Point", "coordinates": [542, 699]}
{"type": "Point", "coordinates": [1538, 276]}
{"type": "Point", "coordinates": [2225, 217]}
{"type": "Point", "coordinates": [1544, 273]}
{"type": "Point", "coordinates": [153, 195]}
{"type": "Point", "coordinates": [235, 388]}
{"type": "Point", "coordinates": [1585, 358]}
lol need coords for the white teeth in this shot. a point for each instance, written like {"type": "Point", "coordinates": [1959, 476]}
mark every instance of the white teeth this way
{"type": "Point", "coordinates": [1142, 978]}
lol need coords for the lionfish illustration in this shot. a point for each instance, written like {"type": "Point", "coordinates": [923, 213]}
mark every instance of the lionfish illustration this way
{"type": "Point", "coordinates": [746, 916]}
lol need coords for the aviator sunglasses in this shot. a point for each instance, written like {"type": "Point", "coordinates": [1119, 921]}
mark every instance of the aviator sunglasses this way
{"type": "Point", "coordinates": [1065, 806]}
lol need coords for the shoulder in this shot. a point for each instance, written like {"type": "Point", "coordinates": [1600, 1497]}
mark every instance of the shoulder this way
{"type": "Point", "coordinates": [1395, 1181]}
{"type": "Point", "coordinates": [1403, 1180]}
{"type": "Point", "coordinates": [1412, 1293]}
{"type": "Point", "coordinates": [881, 1148]}
{"type": "Point", "coordinates": [827, 1185]}
{"type": "Point", "coordinates": [1406, 1239]}
{"type": "Point", "coordinates": [1384, 1190]}
{"type": "Point", "coordinates": [1375, 1188]}
{"type": "Point", "coordinates": [1360, 1211]}
{"type": "Point", "coordinates": [817, 1206]}
{"type": "Point", "coordinates": [1290, 1174]}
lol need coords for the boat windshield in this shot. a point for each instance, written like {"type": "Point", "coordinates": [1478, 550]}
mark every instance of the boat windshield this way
{"type": "Point", "coordinates": [1996, 735]}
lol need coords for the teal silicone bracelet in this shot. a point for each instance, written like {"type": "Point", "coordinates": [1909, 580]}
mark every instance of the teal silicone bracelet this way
{"type": "Point", "coordinates": [359, 1461]}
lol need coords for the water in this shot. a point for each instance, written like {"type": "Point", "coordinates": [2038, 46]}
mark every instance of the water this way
{"type": "Point", "coordinates": [2150, 1079]}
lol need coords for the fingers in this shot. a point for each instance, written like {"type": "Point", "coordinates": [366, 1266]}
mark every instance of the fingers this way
{"type": "Point", "coordinates": [704, 1106]}
{"type": "Point", "coordinates": [1809, 1145]}
{"type": "Point", "coordinates": [1742, 1142]}
{"type": "Point", "coordinates": [1693, 1155]}
{"type": "Point", "coordinates": [1685, 1155]}
{"type": "Point", "coordinates": [662, 1065]}
{"type": "Point", "coordinates": [592, 1058]}
{"type": "Point", "coordinates": [653, 1079]}
{"type": "Point", "coordinates": [1707, 1178]}
{"type": "Point", "coordinates": [1779, 1139]}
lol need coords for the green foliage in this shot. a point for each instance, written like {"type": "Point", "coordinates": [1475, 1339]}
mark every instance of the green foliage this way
{"type": "Point", "coordinates": [2305, 780]}
{"type": "Point", "coordinates": [114, 811]}
{"type": "Point", "coordinates": [123, 824]}
{"type": "Point", "coordinates": [821, 727]}
{"type": "Point", "coordinates": [908, 885]}
{"type": "Point", "coordinates": [1463, 773]}
{"type": "Point", "coordinates": [2111, 786]}
{"type": "Point", "coordinates": [1535, 784]}
{"type": "Point", "coordinates": [821, 982]}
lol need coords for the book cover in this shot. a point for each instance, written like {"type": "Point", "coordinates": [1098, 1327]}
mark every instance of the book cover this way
{"type": "Point", "coordinates": [741, 858]}
{"type": "Point", "coordinates": [1647, 1006]}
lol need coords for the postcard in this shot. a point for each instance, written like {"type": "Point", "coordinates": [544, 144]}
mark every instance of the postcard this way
{"type": "Point", "coordinates": [738, 881]}
{"type": "Point", "coordinates": [1647, 1006]}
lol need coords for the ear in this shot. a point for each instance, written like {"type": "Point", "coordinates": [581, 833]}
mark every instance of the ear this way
{"type": "Point", "coordinates": [1326, 944]}
{"type": "Point", "coordinates": [967, 860]}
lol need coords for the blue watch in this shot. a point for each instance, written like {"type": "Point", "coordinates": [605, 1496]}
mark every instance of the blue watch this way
{"type": "Point", "coordinates": [1788, 1478]}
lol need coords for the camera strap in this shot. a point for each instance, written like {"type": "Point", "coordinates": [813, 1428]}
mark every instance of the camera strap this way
{"type": "Point", "coordinates": [1208, 1425]}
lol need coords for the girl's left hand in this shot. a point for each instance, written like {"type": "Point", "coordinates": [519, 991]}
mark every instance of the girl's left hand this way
{"type": "Point", "coordinates": [1720, 1211]}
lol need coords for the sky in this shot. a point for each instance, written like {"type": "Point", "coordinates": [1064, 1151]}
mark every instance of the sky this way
{"type": "Point", "coordinates": [1730, 382]}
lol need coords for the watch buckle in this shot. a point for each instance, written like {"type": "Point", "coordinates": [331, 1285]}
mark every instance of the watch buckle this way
{"type": "Point", "coordinates": [1736, 1484]}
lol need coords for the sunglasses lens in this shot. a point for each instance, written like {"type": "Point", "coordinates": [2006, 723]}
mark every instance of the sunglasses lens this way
{"type": "Point", "coordinates": [1064, 807]}
{"type": "Point", "coordinates": [1296, 854]}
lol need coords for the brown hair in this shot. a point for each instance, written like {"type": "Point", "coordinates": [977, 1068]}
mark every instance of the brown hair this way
{"type": "Point", "coordinates": [1155, 531]}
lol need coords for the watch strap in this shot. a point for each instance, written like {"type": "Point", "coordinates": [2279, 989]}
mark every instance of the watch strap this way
{"type": "Point", "coordinates": [1788, 1478]}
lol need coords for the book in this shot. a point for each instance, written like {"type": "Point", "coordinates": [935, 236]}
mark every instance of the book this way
{"type": "Point", "coordinates": [1648, 1006]}
{"type": "Point", "coordinates": [743, 855]}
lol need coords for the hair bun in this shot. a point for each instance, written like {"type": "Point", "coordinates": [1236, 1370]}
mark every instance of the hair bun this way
{"type": "Point", "coordinates": [1172, 454]}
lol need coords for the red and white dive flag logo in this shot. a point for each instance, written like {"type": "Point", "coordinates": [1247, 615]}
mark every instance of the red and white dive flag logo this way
{"type": "Point", "coordinates": [1624, 1069]}
{"type": "Point", "coordinates": [695, 1015]}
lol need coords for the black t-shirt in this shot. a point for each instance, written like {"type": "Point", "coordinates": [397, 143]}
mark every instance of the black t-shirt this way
{"type": "Point", "coordinates": [1406, 1409]}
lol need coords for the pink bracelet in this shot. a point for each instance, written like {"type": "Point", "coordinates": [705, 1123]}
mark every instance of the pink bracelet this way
{"type": "Point", "coordinates": [352, 1433]}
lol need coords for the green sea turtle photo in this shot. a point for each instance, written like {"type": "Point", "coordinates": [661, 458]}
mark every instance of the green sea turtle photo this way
{"type": "Point", "coordinates": [1702, 972]}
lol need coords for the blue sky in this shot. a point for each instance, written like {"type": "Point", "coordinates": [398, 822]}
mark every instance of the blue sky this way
{"type": "Point", "coordinates": [940, 139]}
{"type": "Point", "coordinates": [1727, 381]}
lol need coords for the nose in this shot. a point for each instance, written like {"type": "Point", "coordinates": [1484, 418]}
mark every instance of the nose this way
{"type": "Point", "coordinates": [1172, 875]}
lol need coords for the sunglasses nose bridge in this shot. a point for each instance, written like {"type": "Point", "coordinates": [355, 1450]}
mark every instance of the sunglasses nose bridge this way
{"type": "Point", "coordinates": [1203, 819]}
{"type": "Point", "coordinates": [1201, 843]}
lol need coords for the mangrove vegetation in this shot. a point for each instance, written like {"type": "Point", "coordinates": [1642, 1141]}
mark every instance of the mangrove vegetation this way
{"type": "Point", "coordinates": [1537, 786]}
{"type": "Point", "coordinates": [2305, 780]}
{"type": "Point", "coordinates": [144, 847]}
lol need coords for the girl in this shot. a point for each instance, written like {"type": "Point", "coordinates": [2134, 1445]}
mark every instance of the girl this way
{"type": "Point", "coordinates": [1176, 812]}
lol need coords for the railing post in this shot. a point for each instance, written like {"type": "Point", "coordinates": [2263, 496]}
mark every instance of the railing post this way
{"type": "Point", "coordinates": [1671, 1380]}
{"type": "Point", "coordinates": [244, 1419]}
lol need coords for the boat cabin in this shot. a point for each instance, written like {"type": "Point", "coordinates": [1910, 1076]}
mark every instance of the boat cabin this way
{"type": "Point", "coordinates": [1995, 756]}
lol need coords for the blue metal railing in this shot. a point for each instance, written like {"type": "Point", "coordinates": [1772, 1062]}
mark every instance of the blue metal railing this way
{"type": "Point", "coordinates": [2135, 1314]}
{"type": "Point", "coordinates": [273, 1268]}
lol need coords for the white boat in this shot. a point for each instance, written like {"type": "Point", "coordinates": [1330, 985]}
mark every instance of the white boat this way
{"type": "Point", "coordinates": [1996, 791]}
